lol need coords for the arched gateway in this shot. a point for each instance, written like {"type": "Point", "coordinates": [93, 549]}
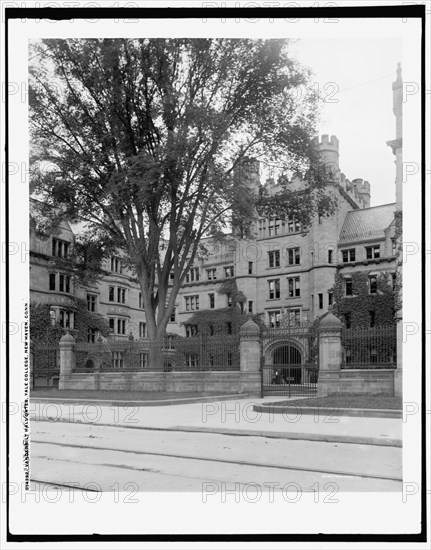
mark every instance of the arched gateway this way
{"type": "Point", "coordinates": [287, 359]}
{"type": "Point", "coordinates": [289, 362]}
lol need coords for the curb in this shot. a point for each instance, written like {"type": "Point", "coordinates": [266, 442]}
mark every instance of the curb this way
{"type": "Point", "coordinates": [326, 438]}
{"type": "Point", "coordinates": [134, 403]}
{"type": "Point", "coordinates": [328, 411]}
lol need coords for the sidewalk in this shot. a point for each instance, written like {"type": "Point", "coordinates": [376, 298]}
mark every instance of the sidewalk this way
{"type": "Point", "coordinates": [233, 417]}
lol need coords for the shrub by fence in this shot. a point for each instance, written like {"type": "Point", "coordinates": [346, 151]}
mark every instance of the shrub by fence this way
{"type": "Point", "coordinates": [372, 348]}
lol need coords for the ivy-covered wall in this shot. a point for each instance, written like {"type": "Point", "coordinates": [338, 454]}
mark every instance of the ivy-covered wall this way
{"type": "Point", "coordinates": [41, 329]}
{"type": "Point", "coordinates": [362, 308]}
{"type": "Point", "coordinates": [214, 322]}
{"type": "Point", "coordinates": [228, 320]}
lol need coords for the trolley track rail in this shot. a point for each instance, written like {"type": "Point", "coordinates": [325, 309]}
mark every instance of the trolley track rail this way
{"type": "Point", "coordinates": [215, 459]}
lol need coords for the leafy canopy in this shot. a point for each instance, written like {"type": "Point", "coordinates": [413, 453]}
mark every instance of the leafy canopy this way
{"type": "Point", "coordinates": [140, 139]}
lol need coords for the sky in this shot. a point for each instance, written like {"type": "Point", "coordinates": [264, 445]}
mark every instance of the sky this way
{"type": "Point", "coordinates": [355, 76]}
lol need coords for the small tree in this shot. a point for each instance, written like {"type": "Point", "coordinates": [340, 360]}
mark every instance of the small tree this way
{"type": "Point", "coordinates": [230, 289]}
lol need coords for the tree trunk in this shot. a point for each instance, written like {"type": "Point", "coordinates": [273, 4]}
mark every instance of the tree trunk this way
{"type": "Point", "coordinates": [156, 330]}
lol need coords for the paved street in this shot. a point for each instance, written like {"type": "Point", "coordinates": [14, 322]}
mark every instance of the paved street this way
{"type": "Point", "coordinates": [233, 416]}
{"type": "Point", "coordinates": [104, 458]}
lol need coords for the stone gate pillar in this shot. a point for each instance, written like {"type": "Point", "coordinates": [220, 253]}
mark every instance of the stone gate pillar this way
{"type": "Point", "coordinates": [330, 355]}
{"type": "Point", "coordinates": [249, 349]}
{"type": "Point", "coordinates": [67, 359]}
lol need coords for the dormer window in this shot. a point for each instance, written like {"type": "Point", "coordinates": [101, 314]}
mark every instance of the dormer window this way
{"type": "Point", "coordinates": [372, 252]}
{"type": "Point", "coordinates": [116, 265]}
{"type": "Point", "coordinates": [349, 255]}
{"type": "Point", "coordinates": [293, 226]}
{"type": "Point", "coordinates": [273, 227]}
{"type": "Point", "coordinates": [60, 248]}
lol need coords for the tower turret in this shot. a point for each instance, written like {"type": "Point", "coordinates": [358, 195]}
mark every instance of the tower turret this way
{"type": "Point", "coordinates": [329, 150]}
{"type": "Point", "coordinates": [328, 147]}
{"type": "Point", "coordinates": [363, 190]}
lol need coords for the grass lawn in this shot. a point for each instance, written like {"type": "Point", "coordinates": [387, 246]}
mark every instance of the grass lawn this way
{"type": "Point", "coordinates": [116, 394]}
{"type": "Point", "coordinates": [347, 401]}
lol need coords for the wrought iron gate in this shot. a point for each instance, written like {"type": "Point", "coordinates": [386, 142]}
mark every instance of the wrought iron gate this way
{"type": "Point", "coordinates": [290, 363]}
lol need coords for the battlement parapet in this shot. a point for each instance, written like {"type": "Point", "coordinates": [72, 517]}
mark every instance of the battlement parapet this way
{"type": "Point", "coordinates": [327, 142]}
{"type": "Point", "coordinates": [328, 147]}
{"type": "Point", "coordinates": [357, 189]}
{"type": "Point", "coordinates": [361, 185]}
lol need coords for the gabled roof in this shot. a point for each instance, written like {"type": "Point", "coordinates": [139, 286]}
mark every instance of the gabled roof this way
{"type": "Point", "coordinates": [367, 223]}
{"type": "Point", "coordinates": [34, 204]}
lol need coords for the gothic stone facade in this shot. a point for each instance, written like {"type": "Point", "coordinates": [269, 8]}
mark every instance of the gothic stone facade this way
{"type": "Point", "coordinates": [280, 269]}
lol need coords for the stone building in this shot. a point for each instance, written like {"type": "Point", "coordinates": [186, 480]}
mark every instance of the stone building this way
{"type": "Point", "coordinates": [281, 269]}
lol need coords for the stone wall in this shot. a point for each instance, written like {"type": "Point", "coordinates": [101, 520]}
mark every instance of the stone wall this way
{"type": "Point", "coordinates": [224, 382]}
{"type": "Point", "coordinates": [366, 381]}
{"type": "Point", "coordinates": [363, 381]}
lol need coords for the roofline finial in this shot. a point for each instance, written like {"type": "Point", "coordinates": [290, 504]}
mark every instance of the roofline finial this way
{"type": "Point", "coordinates": [399, 71]}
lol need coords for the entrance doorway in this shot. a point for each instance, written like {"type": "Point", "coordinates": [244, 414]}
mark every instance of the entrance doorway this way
{"type": "Point", "coordinates": [289, 361]}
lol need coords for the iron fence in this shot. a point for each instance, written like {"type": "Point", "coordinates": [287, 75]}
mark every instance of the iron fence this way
{"type": "Point", "coordinates": [369, 348]}
{"type": "Point", "coordinates": [46, 365]}
{"type": "Point", "coordinates": [173, 353]}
